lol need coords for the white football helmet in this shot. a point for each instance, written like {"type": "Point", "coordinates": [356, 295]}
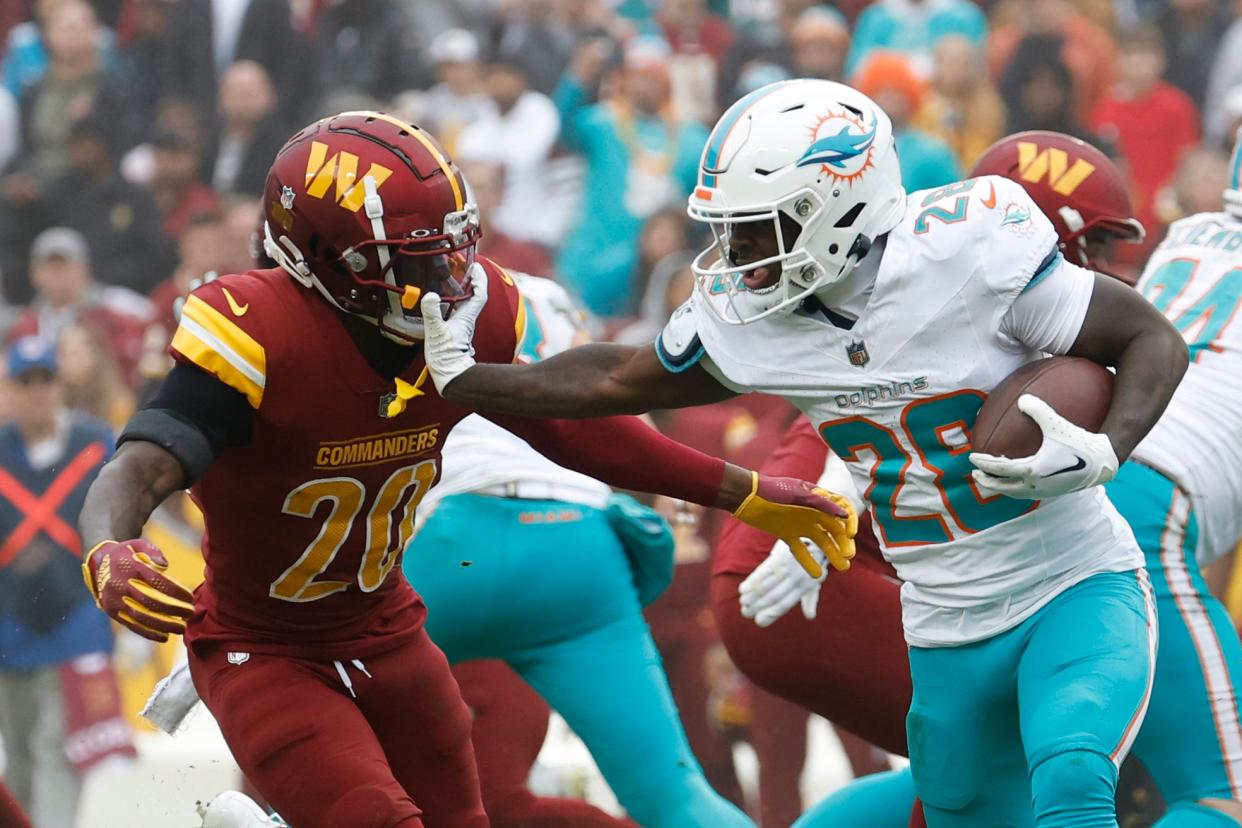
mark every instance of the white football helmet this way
{"type": "Point", "coordinates": [821, 154]}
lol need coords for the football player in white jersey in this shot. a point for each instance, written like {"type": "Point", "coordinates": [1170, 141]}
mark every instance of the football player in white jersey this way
{"type": "Point", "coordinates": [887, 319]}
{"type": "Point", "coordinates": [1181, 490]}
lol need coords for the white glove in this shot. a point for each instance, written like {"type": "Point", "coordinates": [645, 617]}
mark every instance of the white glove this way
{"type": "Point", "coordinates": [1069, 459]}
{"type": "Point", "coordinates": [448, 346]}
{"type": "Point", "coordinates": [780, 582]}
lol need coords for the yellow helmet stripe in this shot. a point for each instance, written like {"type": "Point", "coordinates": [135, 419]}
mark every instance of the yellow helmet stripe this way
{"type": "Point", "coordinates": [448, 171]}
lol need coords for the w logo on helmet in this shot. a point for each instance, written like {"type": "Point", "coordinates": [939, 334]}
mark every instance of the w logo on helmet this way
{"type": "Point", "coordinates": [1034, 164]}
{"type": "Point", "coordinates": [341, 167]}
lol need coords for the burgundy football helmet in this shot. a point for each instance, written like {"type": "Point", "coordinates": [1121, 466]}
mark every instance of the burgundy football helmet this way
{"type": "Point", "coordinates": [1080, 190]}
{"type": "Point", "coordinates": [370, 211]}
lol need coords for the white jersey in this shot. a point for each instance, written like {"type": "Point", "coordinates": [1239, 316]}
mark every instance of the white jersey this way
{"type": "Point", "coordinates": [479, 455]}
{"type": "Point", "coordinates": [895, 397]}
{"type": "Point", "coordinates": [1195, 278]}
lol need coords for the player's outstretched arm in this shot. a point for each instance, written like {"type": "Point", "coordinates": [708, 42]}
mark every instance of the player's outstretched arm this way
{"type": "Point", "coordinates": [127, 576]}
{"type": "Point", "coordinates": [589, 381]}
{"type": "Point", "coordinates": [627, 453]}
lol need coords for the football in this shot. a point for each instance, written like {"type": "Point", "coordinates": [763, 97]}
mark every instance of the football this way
{"type": "Point", "coordinates": [1078, 389]}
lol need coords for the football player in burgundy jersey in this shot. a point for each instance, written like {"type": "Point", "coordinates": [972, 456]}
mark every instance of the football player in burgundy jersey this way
{"type": "Point", "coordinates": [300, 413]}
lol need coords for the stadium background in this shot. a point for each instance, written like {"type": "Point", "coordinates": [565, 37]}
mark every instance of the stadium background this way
{"type": "Point", "coordinates": [145, 128]}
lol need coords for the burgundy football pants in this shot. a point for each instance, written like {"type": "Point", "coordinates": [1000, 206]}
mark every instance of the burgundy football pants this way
{"type": "Point", "coordinates": [383, 742]}
{"type": "Point", "coordinates": [11, 814]}
{"type": "Point", "coordinates": [849, 665]}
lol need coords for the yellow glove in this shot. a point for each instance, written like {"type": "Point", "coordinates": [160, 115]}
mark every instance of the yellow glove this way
{"type": "Point", "coordinates": [793, 509]}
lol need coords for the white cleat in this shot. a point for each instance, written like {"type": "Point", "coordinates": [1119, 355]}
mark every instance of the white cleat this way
{"type": "Point", "coordinates": [233, 809]}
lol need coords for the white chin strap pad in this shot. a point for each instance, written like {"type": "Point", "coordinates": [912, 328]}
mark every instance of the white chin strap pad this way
{"type": "Point", "coordinates": [374, 207]}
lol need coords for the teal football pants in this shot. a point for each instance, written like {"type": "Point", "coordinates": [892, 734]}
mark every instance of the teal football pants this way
{"type": "Point", "coordinates": [1028, 727]}
{"type": "Point", "coordinates": [1191, 741]}
{"type": "Point", "coordinates": [546, 587]}
{"type": "Point", "coordinates": [881, 800]}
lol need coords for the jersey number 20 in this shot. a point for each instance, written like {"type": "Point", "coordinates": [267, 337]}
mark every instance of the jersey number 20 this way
{"type": "Point", "coordinates": [938, 429]}
{"type": "Point", "coordinates": [347, 496]}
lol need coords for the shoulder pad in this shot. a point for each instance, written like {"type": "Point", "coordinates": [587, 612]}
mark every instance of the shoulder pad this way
{"type": "Point", "coordinates": [1016, 244]}
{"type": "Point", "coordinates": [678, 345]}
{"type": "Point", "coordinates": [225, 329]}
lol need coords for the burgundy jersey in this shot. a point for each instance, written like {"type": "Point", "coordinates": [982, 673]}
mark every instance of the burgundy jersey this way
{"type": "Point", "coordinates": [305, 525]}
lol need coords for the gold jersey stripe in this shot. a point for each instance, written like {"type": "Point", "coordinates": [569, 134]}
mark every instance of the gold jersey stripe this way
{"type": "Point", "coordinates": [217, 345]}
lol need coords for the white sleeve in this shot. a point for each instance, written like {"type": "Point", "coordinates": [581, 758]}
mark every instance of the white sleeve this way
{"type": "Point", "coordinates": [1048, 315]}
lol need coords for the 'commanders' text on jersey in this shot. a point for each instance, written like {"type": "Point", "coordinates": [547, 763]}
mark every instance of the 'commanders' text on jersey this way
{"type": "Point", "coordinates": [306, 522]}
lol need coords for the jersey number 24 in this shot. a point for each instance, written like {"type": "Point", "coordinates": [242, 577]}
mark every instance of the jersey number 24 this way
{"type": "Point", "coordinates": [1204, 321]}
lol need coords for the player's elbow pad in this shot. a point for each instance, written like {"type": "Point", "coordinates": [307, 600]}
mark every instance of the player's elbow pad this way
{"type": "Point", "coordinates": [179, 438]}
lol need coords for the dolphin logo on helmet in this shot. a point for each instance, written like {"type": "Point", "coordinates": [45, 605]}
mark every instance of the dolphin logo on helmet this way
{"type": "Point", "coordinates": [836, 149]}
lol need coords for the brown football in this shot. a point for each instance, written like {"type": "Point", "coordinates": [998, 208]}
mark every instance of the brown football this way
{"type": "Point", "coordinates": [1078, 389]}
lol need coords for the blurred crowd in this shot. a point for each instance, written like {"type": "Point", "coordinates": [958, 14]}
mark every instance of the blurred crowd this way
{"type": "Point", "coordinates": [135, 137]}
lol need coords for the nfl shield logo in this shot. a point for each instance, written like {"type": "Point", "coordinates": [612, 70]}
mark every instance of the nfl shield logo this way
{"type": "Point", "coordinates": [286, 197]}
{"type": "Point", "coordinates": [857, 352]}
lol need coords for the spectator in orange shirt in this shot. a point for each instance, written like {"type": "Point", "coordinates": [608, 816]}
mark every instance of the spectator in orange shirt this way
{"type": "Point", "coordinates": [1086, 49]}
{"type": "Point", "coordinates": [1151, 122]}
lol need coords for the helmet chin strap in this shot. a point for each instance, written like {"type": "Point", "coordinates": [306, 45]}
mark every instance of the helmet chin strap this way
{"type": "Point", "coordinates": [860, 277]}
{"type": "Point", "coordinates": [373, 206]}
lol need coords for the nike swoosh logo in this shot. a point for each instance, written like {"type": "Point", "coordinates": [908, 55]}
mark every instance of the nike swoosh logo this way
{"type": "Point", "coordinates": [1081, 464]}
{"type": "Point", "coordinates": [238, 310]}
{"type": "Point", "coordinates": [990, 201]}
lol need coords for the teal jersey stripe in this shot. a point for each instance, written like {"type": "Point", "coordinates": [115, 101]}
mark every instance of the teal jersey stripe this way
{"type": "Point", "coordinates": [1048, 265]}
{"type": "Point", "coordinates": [1235, 168]}
{"type": "Point", "coordinates": [715, 143]}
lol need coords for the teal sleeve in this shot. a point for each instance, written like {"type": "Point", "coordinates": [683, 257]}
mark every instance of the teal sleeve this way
{"type": "Point", "coordinates": [570, 98]}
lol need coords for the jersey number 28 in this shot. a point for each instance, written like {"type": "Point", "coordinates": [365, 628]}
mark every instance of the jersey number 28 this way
{"type": "Point", "coordinates": [392, 509]}
{"type": "Point", "coordinates": [938, 429]}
